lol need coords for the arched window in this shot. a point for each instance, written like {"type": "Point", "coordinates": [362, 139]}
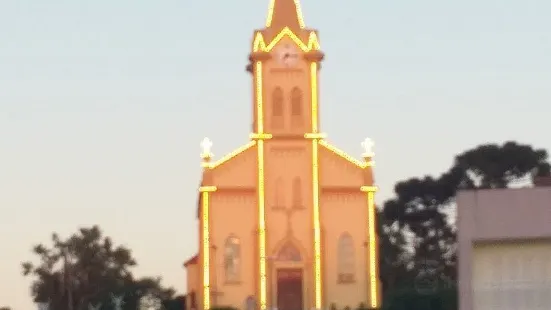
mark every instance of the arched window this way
{"type": "Point", "coordinates": [297, 193]}
{"type": "Point", "coordinates": [296, 107]}
{"type": "Point", "coordinates": [345, 259]}
{"type": "Point", "coordinates": [277, 108]}
{"type": "Point", "coordinates": [232, 259]}
{"type": "Point", "coordinates": [279, 194]}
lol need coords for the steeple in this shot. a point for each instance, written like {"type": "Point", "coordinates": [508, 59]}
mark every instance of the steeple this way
{"type": "Point", "coordinates": [285, 13]}
{"type": "Point", "coordinates": [284, 61]}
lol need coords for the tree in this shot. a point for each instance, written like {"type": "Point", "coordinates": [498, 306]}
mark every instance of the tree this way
{"type": "Point", "coordinates": [393, 254]}
{"type": "Point", "coordinates": [421, 208]}
{"type": "Point", "coordinates": [494, 166]}
{"type": "Point", "coordinates": [176, 303]}
{"type": "Point", "coordinates": [87, 268]}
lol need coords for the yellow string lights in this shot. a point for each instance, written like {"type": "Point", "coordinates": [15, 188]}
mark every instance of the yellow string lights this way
{"type": "Point", "coordinates": [315, 136]}
{"type": "Point", "coordinates": [260, 136]}
{"type": "Point", "coordinates": [229, 156]}
{"type": "Point", "coordinates": [259, 45]}
{"type": "Point", "coordinates": [343, 154]}
{"type": "Point", "coordinates": [317, 230]}
{"type": "Point", "coordinates": [205, 193]}
{"type": "Point", "coordinates": [258, 140]}
{"type": "Point", "coordinates": [372, 254]}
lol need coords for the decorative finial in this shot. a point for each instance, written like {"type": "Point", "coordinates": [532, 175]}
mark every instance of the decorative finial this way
{"type": "Point", "coordinates": [206, 146]}
{"type": "Point", "coordinates": [368, 145]}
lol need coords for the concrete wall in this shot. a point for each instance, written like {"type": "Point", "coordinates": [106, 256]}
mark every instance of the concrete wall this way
{"type": "Point", "coordinates": [492, 216]}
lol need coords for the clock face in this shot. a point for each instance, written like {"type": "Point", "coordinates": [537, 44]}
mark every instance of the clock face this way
{"type": "Point", "coordinates": [288, 55]}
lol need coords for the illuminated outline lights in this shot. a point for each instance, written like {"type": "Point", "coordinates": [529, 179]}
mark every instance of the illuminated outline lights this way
{"type": "Point", "coordinates": [372, 261]}
{"type": "Point", "coordinates": [261, 226]}
{"type": "Point", "coordinates": [317, 232]}
{"type": "Point", "coordinates": [205, 193]}
{"type": "Point", "coordinates": [260, 135]}
{"type": "Point", "coordinates": [314, 94]}
{"type": "Point", "coordinates": [259, 45]}
{"type": "Point", "coordinates": [229, 156]}
{"type": "Point", "coordinates": [314, 135]}
{"type": "Point", "coordinates": [343, 154]}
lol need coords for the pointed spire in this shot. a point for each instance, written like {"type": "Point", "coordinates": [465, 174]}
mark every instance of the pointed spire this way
{"type": "Point", "coordinates": [285, 13]}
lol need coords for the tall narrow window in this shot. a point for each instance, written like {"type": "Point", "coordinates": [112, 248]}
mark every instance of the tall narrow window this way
{"type": "Point", "coordinates": [345, 259]}
{"type": "Point", "coordinates": [279, 192]}
{"type": "Point", "coordinates": [297, 193]}
{"type": "Point", "coordinates": [296, 107]}
{"type": "Point", "coordinates": [232, 259]}
{"type": "Point", "coordinates": [277, 108]}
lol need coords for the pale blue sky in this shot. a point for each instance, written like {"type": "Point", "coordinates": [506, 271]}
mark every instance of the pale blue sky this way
{"type": "Point", "coordinates": [103, 104]}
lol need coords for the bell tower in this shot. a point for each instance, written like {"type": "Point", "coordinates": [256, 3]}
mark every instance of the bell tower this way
{"type": "Point", "coordinates": [284, 62]}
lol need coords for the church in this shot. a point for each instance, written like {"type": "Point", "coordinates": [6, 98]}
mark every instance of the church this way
{"type": "Point", "coordinates": [286, 221]}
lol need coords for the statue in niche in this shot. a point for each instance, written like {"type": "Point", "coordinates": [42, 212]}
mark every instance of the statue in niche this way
{"type": "Point", "coordinates": [232, 258]}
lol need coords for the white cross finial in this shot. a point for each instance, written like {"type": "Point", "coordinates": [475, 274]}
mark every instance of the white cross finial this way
{"type": "Point", "coordinates": [368, 145]}
{"type": "Point", "coordinates": [206, 146]}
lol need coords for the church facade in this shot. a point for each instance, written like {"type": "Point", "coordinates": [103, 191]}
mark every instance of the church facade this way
{"type": "Point", "coordinates": [286, 221]}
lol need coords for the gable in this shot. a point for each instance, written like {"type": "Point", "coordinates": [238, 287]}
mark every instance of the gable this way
{"type": "Point", "coordinates": [236, 169]}
{"type": "Point", "coordinates": [338, 169]}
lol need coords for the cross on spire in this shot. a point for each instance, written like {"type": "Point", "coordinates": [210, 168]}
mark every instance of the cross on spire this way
{"type": "Point", "coordinates": [368, 145]}
{"type": "Point", "coordinates": [206, 147]}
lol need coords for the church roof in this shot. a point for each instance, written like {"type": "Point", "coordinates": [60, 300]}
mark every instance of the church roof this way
{"type": "Point", "coordinates": [192, 260]}
{"type": "Point", "coordinates": [226, 159]}
{"type": "Point", "coordinates": [285, 13]}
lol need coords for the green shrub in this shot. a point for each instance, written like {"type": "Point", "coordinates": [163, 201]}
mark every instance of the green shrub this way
{"type": "Point", "coordinates": [410, 299]}
{"type": "Point", "coordinates": [223, 308]}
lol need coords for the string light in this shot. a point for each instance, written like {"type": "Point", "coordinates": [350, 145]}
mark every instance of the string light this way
{"type": "Point", "coordinates": [259, 99]}
{"type": "Point", "coordinates": [229, 156]}
{"type": "Point", "coordinates": [259, 45]}
{"type": "Point", "coordinates": [261, 226]}
{"type": "Point", "coordinates": [205, 191]}
{"type": "Point", "coordinates": [260, 135]}
{"type": "Point", "coordinates": [314, 94]}
{"type": "Point", "coordinates": [315, 136]}
{"type": "Point", "coordinates": [317, 231]}
{"type": "Point", "coordinates": [343, 154]}
{"type": "Point", "coordinates": [372, 259]}
{"type": "Point", "coordinates": [258, 139]}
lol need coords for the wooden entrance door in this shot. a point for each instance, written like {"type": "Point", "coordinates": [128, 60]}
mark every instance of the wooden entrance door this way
{"type": "Point", "coordinates": [289, 289]}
